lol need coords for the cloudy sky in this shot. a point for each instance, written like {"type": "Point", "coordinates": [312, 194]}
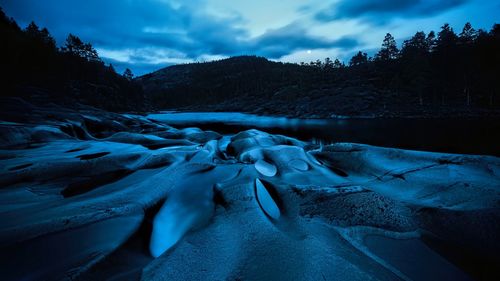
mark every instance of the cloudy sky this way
{"type": "Point", "coordinates": [146, 35]}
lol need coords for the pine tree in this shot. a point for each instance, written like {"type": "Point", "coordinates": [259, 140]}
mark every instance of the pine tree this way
{"type": "Point", "coordinates": [75, 46]}
{"type": "Point", "coordinates": [43, 36]}
{"type": "Point", "coordinates": [32, 29]}
{"type": "Point", "coordinates": [337, 64]}
{"type": "Point", "coordinates": [431, 41]}
{"type": "Point", "coordinates": [389, 49]}
{"type": "Point", "coordinates": [90, 53]}
{"type": "Point", "coordinates": [417, 45]}
{"type": "Point", "coordinates": [359, 59]}
{"type": "Point", "coordinates": [468, 34]}
{"type": "Point", "coordinates": [47, 38]}
{"type": "Point", "coordinates": [495, 31]}
{"type": "Point", "coordinates": [318, 64]}
{"type": "Point", "coordinates": [128, 74]}
{"type": "Point", "coordinates": [414, 56]}
{"type": "Point", "coordinates": [446, 38]}
{"type": "Point", "coordinates": [328, 63]}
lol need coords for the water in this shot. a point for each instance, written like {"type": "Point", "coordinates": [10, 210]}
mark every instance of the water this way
{"type": "Point", "coordinates": [440, 135]}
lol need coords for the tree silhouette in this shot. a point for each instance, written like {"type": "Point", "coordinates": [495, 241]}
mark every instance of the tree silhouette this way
{"type": "Point", "coordinates": [76, 47]}
{"type": "Point", "coordinates": [328, 64]}
{"type": "Point", "coordinates": [128, 74]}
{"type": "Point", "coordinates": [466, 64]}
{"type": "Point", "coordinates": [389, 49]}
{"type": "Point", "coordinates": [431, 41]}
{"type": "Point", "coordinates": [32, 66]}
{"type": "Point", "coordinates": [446, 38]}
{"type": "Point", "coordinates": [318, 63]}
{"type": "Point", "coordinates": [359, 59]}
{"type": "Point", "coordinates": [47, 38]}
{"type": "Point", "coordinates": [32, 29]}
{"type": "Point", "coordinates": [43, 35]}
{"type": "Point", "coordinates": [495, 31]}
{"type": "Point", "coordinates": [414, 56]}
{"type": "Point", "coordinates": [111, 68]}
{"type": "Point", "coordinates": [468, 34]}
{"type": "Point", "coordinates": [418, 45]}
{"type": "Point", "coordinates": [338, 64]}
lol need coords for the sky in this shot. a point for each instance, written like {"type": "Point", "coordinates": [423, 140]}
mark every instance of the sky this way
{"type": "Point", "coordinates": [146, 35]}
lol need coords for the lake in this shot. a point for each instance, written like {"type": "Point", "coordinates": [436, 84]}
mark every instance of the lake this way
{"type": "Point", "coordinates": [440, 135]}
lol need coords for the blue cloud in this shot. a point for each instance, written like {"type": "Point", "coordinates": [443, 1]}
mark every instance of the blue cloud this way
{"type": "Point", "coordinates": [280, 42]}
{"type": "Point", "coordinates": [382, 11]}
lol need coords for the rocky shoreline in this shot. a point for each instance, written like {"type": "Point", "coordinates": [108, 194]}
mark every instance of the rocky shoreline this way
{"type": "Point", "coordinates": [92, 195]}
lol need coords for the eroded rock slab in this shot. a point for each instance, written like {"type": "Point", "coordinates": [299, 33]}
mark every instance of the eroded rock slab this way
{"type": "Point", "coordinates": [93, 195]}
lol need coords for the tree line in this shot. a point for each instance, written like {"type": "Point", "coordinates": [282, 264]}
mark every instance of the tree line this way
{"type": "Point", "coordinates": [438, 69]}
{"type": "Point", "coordinates": [430, 74]}
{"type": "Point", "coordinates": [33, 67]}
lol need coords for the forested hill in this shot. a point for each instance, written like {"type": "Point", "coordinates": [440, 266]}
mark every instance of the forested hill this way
{"type": "Point", "coordinates": [33, 68]}
{"type": "Point", "coordinates": [430, 75]}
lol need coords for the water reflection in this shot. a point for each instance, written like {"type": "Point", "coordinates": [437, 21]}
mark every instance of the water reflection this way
{"type": "Point", "coordinates": [232, 118]}
{"type": "Point", "coordinates": [440, 135]}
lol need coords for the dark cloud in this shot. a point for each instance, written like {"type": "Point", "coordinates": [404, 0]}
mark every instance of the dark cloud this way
{"type": "Point", "coordinates": [280, 42]}
{"type": "Point", "coordinates": [130, 24]}
{"type": "Point", "coordinates": [381, 11]}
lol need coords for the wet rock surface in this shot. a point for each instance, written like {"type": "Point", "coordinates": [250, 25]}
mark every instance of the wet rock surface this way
{"type": "Point", "coordinates": [93, 195]}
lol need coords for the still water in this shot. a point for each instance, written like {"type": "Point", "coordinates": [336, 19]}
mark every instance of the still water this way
{"type": "Point", "coordinates": [440, 135]}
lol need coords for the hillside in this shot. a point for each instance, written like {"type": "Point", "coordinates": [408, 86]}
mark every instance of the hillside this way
{"type": "Point", "coordinates": [450, 75]}
{"type": "Point", "coordinates": [254, 84]}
